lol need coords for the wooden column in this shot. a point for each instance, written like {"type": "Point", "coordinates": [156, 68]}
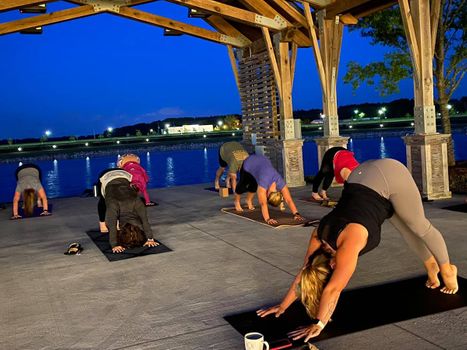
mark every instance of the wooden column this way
{"type": "Point", "coordinates": [426, 149]}
{"type": "Point", "coordinates": [327, 57]}
{"type": "Point", "coordinates": [291, 146]}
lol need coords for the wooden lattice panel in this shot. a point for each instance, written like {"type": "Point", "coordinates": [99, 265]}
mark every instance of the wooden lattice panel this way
{"type": "Point", "coordinates": [260, 105]}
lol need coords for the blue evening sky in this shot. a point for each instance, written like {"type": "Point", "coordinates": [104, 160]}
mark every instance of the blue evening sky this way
{"type": "Point", "coordinates": [80, 77]}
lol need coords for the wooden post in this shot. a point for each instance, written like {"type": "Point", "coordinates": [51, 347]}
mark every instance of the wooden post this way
{"type": "Point", "coordinates": [426, 149]}
{"type": "Point", "coordinates": [292, 153]}
{"type": "Point", "coordinates": [327, 58]}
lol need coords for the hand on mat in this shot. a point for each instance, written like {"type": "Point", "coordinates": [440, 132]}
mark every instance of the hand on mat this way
{"type": "Point", "coordinates": [298, 217]}
{"type": "Point", "coordinates": [16, 217]}
{"type": "Point", "coordinates": [151, 243]}
{"type": "Point", "coordinates": [118, 249]}
{"type": "Point", "coordinates": [271, 221]}
{"type": "Point", "coordinates": [276, 310]}
{"type": "Point", "coordinates": [308, 332]}
{"type": "Point", "coordinates": [45, 213]}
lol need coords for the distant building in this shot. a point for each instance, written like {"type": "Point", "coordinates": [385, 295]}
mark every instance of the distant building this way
{"type": "Point", "coordinates": [189, 129]}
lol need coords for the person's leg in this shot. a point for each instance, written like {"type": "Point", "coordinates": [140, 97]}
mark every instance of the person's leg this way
{"type": "Point", "coordinates": [418, 246]}
{"type": "Point", "coordinates": [407, 203]}
{"type": "Point", "coordinates": [220, 171]}
{"type": "Point", "coordinates": [101, 208]}
{"type": "Point", "coordinates": [326, 172]}
{"type": "Point", "coordinates": [246, 183]}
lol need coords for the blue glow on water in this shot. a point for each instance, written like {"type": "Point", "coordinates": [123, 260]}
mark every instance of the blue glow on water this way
{"type": "Point", "coordinates": [70, 177]}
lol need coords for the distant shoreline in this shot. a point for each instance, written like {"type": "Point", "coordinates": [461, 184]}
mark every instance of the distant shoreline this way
{"type": "Point", "coordinates": [76, 149]}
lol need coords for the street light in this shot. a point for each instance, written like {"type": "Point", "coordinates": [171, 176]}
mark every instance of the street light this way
{"type": "Point", "coordinates": [20, 149]}
{"type": "Point", "coordinates": [167, 125]}
{"type": "Point", "coordinates": [110, 129]}
{"type": "Point", "coordinates": [220, 122]}
{"type": "Point", "coordinates": [48, 133]}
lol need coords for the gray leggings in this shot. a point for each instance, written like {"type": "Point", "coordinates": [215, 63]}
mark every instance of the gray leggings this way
{"type": "Point", "coordinates": [393, 181]}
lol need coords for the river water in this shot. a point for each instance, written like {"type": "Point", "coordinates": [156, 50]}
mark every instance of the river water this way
{"type": "Point", "coordinates": [70, 175]}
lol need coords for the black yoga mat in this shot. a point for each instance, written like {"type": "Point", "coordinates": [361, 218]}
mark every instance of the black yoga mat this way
{"type": "Point", "coordinates": [358, 309]}
{"type": "Point", "coordinates": [101, 240]}
{"type": "Point", "coordinates": [459, 207]}
{"type": "Point", "coordinates": [284, 219]}
{"type": "Point", "coordinates": [37, 211]}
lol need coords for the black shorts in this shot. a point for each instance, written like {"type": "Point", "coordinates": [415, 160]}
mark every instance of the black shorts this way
{"type": "Point", "coordinates": [222, 163]}
{"type": "Point", "coordinates": [247, 183]}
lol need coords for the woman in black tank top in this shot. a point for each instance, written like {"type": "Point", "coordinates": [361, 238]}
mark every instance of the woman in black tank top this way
{"type": "Point", "coordinates": [350, 230]}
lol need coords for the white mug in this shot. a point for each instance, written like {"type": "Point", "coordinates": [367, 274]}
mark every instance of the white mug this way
{"type": "Point", "coordinates": [255, 341]}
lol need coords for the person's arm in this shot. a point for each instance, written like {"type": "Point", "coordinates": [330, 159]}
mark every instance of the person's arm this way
{"type": "Point", "coordinates": [16, 199]}
{"type": "Point", "coordinates": [290, 203]}
{"type": "Point", "coordinates": [45, 204]}
{"type": "Point", "coordinates": [291, 295]}
{"type": "Point", "coordinates": [143, 215]}
{"type": "Point", "coordinates": [345, 265]}
{"type": "Point", "coordinates": [233, 180]}
{"type": "Point", "coordinates": [263, 202]}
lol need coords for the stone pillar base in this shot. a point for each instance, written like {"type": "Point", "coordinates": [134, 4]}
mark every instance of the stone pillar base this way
{"type": "Point", "coordinates": [287, 157]}
{"type": "Point", "coordinates": [292, 158]}
{"type": "Point", "coordinates": [427, 160]}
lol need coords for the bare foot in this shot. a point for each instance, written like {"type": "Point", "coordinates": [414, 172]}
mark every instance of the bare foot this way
{"type": "Point", "coordinates": [432, 270]}
{"type": "Point", "coordinates": [251, 206]}
{"type": "Point", "coordinates": [450, 280]}
{"type": "Point", "coordinates": [216, 185]}
{"type": "Point", "coordinates": [238, 207]}
{"type": "Point", "coordinates": [103, 228]}
{"type": "Point", "coordinates": [316, 196]}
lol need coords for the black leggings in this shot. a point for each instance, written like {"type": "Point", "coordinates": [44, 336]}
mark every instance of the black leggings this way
{"type": "Point", "coordinates": [247, 183]}
{"type": "Point", "coordinates": [326, 171]}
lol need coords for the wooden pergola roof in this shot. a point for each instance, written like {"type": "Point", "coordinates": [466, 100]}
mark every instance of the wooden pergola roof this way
{"type": "Point", "coordinates": [235, 22]}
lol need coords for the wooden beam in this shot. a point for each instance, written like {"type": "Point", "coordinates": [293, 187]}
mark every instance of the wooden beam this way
{"type": "Point", "coordinates": [315, 46]}
{"type": "Point", "coordinates": [293, 61]}
{"type": "Point", "coordinates": [234, 13]}
{"type": "Point", "coordinates": [164, 22]}
{"type": "Point", "coordinates": [265, 9]}
{"type": "Point", "coordinates": [375, 8]}
{"type": "Point", "coordinates": [46, 19]}
{"type": "Point", "coordinates": [233, 63]}
{"type": "Point", "coordinates": [6, 5]}
{"type": "Point", "coordinates": [291, 11]}
{"type": "Point", "coordinates": [343, 6]}
{"type": "Point", "coordinates": [435, 7]}
{"type": "Point", "coordinates": [224, 27]}
{"type": "Point", "coordinates": [348, 19]}
{"type": "Point", "coordinates": [272, 59]}
{"type": "Point", "coordinates": [319, 3]}
{"type": "Point", "coordinates": [409, 28]}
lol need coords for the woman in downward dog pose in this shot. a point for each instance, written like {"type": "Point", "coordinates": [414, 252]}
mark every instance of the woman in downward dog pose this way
{"type": "Point", "coordinates": [374, 191]}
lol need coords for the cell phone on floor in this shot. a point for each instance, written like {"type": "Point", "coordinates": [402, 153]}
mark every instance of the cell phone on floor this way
{"type": "Point", "coordinates": [280, 344]}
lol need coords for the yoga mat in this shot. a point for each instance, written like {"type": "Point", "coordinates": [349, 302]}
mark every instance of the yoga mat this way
{"type": "Point", "coordinates": [284, 219]}
{"type": "Point", "coordinates": [358, 310]}
{"type": "Point", "coordinates": [37, 212]}
{"type": "Point", "coordinates": [212, 189]}
{"type": "Point", "coordinates": [459, 207]}
{"type": "Point", "coordinates": [101, 240]}
{"type": "Point", "coordinates": [327, 204]}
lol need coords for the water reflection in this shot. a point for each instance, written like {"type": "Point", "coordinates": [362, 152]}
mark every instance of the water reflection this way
{"type": "Point", "coordinates": [382, 148]}
{"type": "Point", "coordinates": [148, 165]}
{"type": "Point", "coordinates": [52, 182]}
{"type": "Point", "coordinates": [88, 177]}
{"type": "Point", "coordinates": [206, 163]}
{"type": "Point", "coordinates": [170, 172]}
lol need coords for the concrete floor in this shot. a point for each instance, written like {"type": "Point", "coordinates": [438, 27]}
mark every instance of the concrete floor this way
{"type": "Point", "coordinates": [220, 265]}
